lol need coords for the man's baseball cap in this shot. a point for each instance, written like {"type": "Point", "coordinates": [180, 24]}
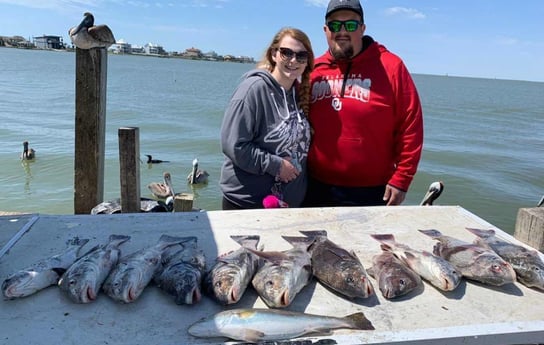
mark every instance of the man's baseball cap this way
{"type": "Point", "coordinates": [351, 5]}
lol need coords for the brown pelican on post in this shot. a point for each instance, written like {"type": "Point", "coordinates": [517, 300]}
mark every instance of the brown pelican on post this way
{"type": "Point", "coordinates": [434, 191]}
{"type": "Point", "coordinates": [86, 35]}
{"type": "Point", "coordinates": [162, 190]}
{"type": "Point", "coordinates": [28, 153]}
{"type": "Point", "coordinates": [197, 176]}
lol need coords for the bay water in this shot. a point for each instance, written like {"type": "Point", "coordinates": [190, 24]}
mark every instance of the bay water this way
{"type": "Point", "coordinates": [484, 138]}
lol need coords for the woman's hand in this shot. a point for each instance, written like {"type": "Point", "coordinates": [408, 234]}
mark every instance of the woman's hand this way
{"type": "Point", "coordinates": [288, 172]}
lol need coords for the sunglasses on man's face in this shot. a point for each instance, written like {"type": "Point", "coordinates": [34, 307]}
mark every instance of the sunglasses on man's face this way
{"type": "Point", "coordinates": [349, 25]}
{"type": "Point", "coordinates": [287, 55]}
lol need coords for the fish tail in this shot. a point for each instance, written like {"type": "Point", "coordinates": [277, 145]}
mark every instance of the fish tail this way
{"type": "Point", "coordinates": [482, 233]}
{"type": "Point", "coordinates": [298, 241]}
{"type": "Point", "coordinates": [314, 233]}
{"type": "Point", "coordinates": [250, 241]}
{"type": "Point", "coordinates": [433, 233]}
{"type": "Point", "coordinates": [118, 239]}
{"type": "Point", "coordinates": [167, 240]}
{"type": "Point", "coordinates": [359, 321]}
{"type": "Point", "coordinates": [387, 240]}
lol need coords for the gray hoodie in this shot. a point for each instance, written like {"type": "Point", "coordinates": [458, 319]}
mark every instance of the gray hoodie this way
{"type": "Point", "coordinates": [261, 125]}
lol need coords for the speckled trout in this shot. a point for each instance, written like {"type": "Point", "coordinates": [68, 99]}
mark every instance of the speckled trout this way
{"type": "Point", "coordinates": [254, 325]}
{"type": "Point", "coordinates": [472, 261]}
{"type": "Point", "coordinates": [43, 273]}
{"type": "Point", "coordinates": [527, 263]}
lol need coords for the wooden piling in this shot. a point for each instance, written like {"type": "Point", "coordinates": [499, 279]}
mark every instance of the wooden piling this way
{"type": "Point", "coordinates": [183, 202]}
{"type": "Point", "coordinates": [90, 119]}
{"type": "Point", "coordinates": [530, 227]}
{"type": "Point", "coordinates": [129, 163]}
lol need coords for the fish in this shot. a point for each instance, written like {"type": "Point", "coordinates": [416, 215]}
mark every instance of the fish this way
{"type": "Point", "coordinates": [82, 281]}
{"type": "Point", "coordinates": [337, 268]}
{"type": "Point", "coordinates": [434, 269]}
{"type": "Point", "coordinates": [43, 273]}
{"type": "Point", "coordinates": [527, 263]}
{"type": "Point", "coordinates": [182, 268]}
{"type": "Point", "coordinates": [134, 272]}
{"type": "Point", "coordinates": [283, 274]}
{"type": "Point", "coordinates": [394, 278]}
{"type": "Point", "coordinates": [255, 325]}
{"type": "Point", "coordinates": [472, 261]}
{"type": "Point", "coordinates": [231, 274]}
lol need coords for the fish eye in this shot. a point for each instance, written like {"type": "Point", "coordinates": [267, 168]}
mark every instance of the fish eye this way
{"type": "Point", "coordinates": [402, 282]}
{"type": "Point", "coordinates": [269, 283]}
{"type": "Point", "coordinates": [217, 284]}
{"type": "Point", "coordinates": [72, 282]}
{"type": "Point", "coordinates": [349, 279]}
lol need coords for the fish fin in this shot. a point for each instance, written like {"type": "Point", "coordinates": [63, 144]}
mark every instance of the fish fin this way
{"type": "Point", "coordinates": [359, 321]}
{"type": "Point", "coordinates": [383, 238]}
{"type": "Point", "coordinates": [410, 256]}
{"type": "Point", "coordinates": [482, 233]}
{"type": "Point", "coordinates": [433, 233]}
{"type": "Point", "coordinates": [314, 233]}
{"type": "Point", "coordinates": [270, 256]}
{"type": "Point", "coordinates": [370, 271]}
{"type": "Point", "coordinates": [253, 335]}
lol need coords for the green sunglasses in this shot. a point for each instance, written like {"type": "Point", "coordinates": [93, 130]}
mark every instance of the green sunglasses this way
{"type": "Point", "coordinates": [349, 25]}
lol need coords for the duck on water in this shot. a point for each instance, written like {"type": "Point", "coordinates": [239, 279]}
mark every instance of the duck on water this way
{"type": "Point", "coordinates": [28, 152]}
{"type": "Point", "coordinates": [150, 160]}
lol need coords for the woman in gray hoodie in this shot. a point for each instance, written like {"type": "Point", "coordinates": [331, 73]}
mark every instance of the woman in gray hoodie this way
{"type": "Point", "coordinates": [265, 133]}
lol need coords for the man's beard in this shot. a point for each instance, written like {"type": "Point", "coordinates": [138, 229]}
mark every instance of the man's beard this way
{"type": "Point", "coordinates": [342, 52]}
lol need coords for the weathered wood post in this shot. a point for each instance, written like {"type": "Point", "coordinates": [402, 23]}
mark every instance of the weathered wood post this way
{"type": "Point", "coordinates": [530, 227]}
{"type": "Point", "coordinates": [129, 164]}
{"type": "Point", "coordinates": [183, 202]}
{"type": "Point", "coordinates": [90, 120]}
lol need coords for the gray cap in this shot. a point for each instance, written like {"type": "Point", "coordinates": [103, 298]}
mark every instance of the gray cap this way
{"type": "Point", "coordinates": [351, 5]}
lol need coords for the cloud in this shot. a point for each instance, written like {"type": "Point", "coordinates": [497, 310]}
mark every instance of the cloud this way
{"type": "Point", "coordinates": [410, 13]}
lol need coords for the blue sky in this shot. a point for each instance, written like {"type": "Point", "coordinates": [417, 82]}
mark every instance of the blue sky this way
{"type": "Point", "coordinates": [479, 38]}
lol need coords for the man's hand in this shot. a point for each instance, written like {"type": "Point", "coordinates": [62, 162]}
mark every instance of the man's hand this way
{"type": "Point", "coordinates": [393, 195]}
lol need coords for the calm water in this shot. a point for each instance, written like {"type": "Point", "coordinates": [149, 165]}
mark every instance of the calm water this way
{"type": "Point", "coordinates": [484, 138]}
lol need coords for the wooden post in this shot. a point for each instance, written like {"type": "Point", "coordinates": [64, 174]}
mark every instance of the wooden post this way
{"type": "Point", "coordinates": [129, 164]}
{"type": "Point", "coordinates": [90, 119]}
{"type": "Point", "coordinates": [530, 227]}
{"type": "Point", "coordinates": [183, 202]}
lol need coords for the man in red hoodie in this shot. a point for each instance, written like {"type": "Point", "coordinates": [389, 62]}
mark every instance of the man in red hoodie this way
{"type": "Point", "coordinates": [366, 118]}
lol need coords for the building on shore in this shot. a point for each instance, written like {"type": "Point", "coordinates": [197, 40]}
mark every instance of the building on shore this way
{"type": "Point", "coordinates": [49, 42]}
{"type": "Point", "coordinates": [121, 47]}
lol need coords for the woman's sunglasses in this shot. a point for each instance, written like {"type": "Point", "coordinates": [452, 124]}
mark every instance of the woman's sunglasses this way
{"type": "Point", "coordinates": [336, 25]}
{"type": "Point", "coordinates": [287, 55]}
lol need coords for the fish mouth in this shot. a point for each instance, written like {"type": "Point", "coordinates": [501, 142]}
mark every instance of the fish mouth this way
{"type": "Point", "coordinates": [90, 294]}
{"type": "Point", "coordinates": [132, 294]}
{"type": "Point", "coordinates": [284, 299]}
{"type": "Point", "coordinates": [193, 297]}
{"type": "Point", "coordinates": [233, 296]}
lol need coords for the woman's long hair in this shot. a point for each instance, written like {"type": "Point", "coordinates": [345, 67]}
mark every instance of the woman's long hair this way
{"type": "Point", "coordinates": [268, 63]}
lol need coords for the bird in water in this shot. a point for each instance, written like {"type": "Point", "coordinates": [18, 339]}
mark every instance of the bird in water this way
{"type": "Point", "coordinates": [434, 191]}
{"type": "Point", "coordinates": [150, 160]}
{"type": "Point", "coordinates": [541, 202]}
{"type": "Point", "coordinates": [162, 190]}
{"type": "Point", "coordinates": [87, 35]}
{"type": "Point", "coordinates": [197, 176]}
{"type": "Point", "coordinates": [28, 153]}
{"type": "Point", "coordinates": [146, 205]}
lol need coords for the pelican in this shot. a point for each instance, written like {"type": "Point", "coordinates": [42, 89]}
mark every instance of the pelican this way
{"type": "Point", "coordinates": [86, 35]}
{"type": "Point", "coordinates": [28, 153]}
{"type": "Point", "coordinates": [162, 190]}
{"type": "Point", "coordinates": [541, 202]}
{"type": "Point", "coordinates": [150, 160]}
{"type": "Point", "coordinates": [434, 191]}
{"type": "Point", "coordinates": [197, 176]}
{"type": "Point", "coordinates": [146, 205]}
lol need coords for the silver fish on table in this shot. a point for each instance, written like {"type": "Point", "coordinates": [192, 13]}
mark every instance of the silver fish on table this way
{"type": "Point", "coordinates": [394, 278]}
{"type": "Point", "coordinates": [181, 271]}
{"type": "Point", "coordinates": [133, 272]}
{"type": "Point", "coordinates": [472, 261]}
{"type": "Point", "coordinates": [337, 268]}
{"type": "Point", "coordinates": [255, 325]}
{"type": "Point", "coordinates": [433, 268]}
{"type": "Point", "coordinates": [82, 281]}
{"type": "Point", "coordinates": [283, 274]}
{"type": "Point", "coordinates": [43, 273]}
{"type": "Point", "coordinates": [527, 263]}
{"type": "Point", "coordinates": [229, 277]}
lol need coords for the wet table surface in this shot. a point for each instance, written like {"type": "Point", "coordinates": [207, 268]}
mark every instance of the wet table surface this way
{"type": "Point", "coordinates": [471, 314]}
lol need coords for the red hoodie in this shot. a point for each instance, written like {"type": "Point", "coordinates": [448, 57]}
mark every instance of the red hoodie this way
{"type": "Point", "coordinates": [367, 121]}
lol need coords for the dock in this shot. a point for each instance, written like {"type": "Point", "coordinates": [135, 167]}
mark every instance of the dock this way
{"type": "Point", "coordinates": [473, 313]}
